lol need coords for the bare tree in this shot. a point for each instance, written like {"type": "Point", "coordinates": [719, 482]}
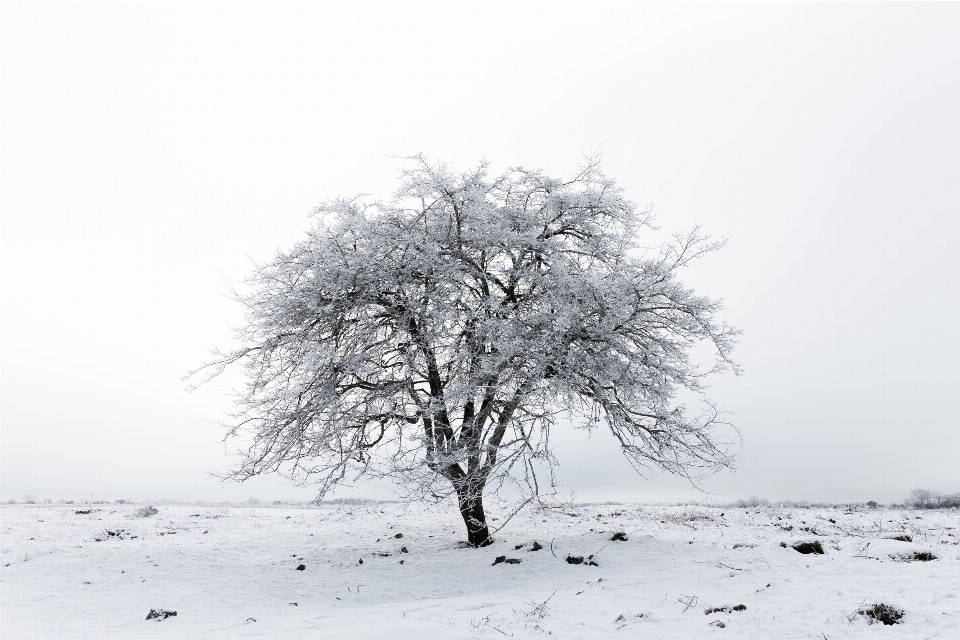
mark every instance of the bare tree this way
{"type": "Point", "coordinates": [920, 498]}
{"type": "Point", "coordinates": [435, 338]}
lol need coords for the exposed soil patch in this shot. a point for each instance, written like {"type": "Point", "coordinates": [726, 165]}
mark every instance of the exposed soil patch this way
{"type": "Point", "coordinates": [619, 536]}
{"type": "Point", "coordinates": [805, 547]}
{"type": "Point", "coordinates": [118, 534]}
{"type": "Point", "coordinates": [882, 613]}
{"type": "Point", "coordinates": [159, 614]}
{"type": "Point", "coordinates": [918, 556]}
{"type": "Point", "coordinates": [739, 607]}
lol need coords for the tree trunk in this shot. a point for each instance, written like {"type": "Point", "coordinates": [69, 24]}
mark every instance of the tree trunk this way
{"type": "Point", "coordinates": [471, 508]}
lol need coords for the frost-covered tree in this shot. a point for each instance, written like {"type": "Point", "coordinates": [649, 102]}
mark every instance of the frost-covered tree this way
{"type": "Point", "coordinates": [435, 338]}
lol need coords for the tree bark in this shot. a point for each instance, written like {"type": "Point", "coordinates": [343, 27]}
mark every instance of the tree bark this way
{"type": "Point", "coordinates": [471, 508]}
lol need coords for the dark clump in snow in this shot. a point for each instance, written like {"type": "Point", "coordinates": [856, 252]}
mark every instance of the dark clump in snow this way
{"type": "Point", "coordinates": [806, 547]}
{"type": "Point", "coordinates": [739, 607]}
{"type": "Point", "coordinates": [505, 560]}
{"type": "Point", "coordinates": [898, 536]}
{"type": "Point", "coordinates": [919, 556]}
{"type": "Point", "coordinates": [159, 614]}
{"type": "Point", "coordinates": [118, 534]}
{"type": "Point", "coordinates": [301, 567]}
{"type": "Point", "coordinates": [536, 546]}
{"type": "Point", "coordinates": [619, 536]}
{"type": "Point", "coordinates": [399, 535]}
{"type": "Point", "coordinates": [882, 613]}
{"type": "Point", "coordinates": [574, 559]}
{"type": "Point", "coordinates": [145, 512]}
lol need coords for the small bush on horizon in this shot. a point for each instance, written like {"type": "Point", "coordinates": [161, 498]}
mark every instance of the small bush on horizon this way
{"type": "Point", "coordinates": [751, 502]}
{"type": "Point", "coordinates": [145, 512]}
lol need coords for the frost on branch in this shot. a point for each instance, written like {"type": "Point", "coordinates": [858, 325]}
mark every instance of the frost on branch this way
{"type": "Point", "coordinates": [434, 338]}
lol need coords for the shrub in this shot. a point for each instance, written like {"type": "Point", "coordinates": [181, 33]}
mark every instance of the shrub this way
{"type": "Point", "coordinates": [145, 512]}
{"type": "Point", "coordinates": [752, 501]}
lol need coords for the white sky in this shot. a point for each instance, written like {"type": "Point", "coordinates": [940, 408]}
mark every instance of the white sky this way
{"type": "Point", "coordinates": [150, 151]}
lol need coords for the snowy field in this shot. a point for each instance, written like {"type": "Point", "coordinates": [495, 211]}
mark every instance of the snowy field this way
{"type": "Point", "coordinates": [232, 573]}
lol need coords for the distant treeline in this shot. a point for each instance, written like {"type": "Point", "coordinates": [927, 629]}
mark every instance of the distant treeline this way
{"type": "Point", "coordinates": [249, 502]}
{"type": "Point", "coordinates": [926, 499]}
{"type": "Point", "coordinates": [918, 499]}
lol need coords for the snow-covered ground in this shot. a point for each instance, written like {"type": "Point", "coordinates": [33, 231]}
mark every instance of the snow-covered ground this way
{"type": "Point", "coordinates": [232, 572]}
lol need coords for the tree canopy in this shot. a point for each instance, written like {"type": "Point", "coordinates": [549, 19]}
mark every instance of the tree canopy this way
{"type": "Point", "coordinates": [435, 338]}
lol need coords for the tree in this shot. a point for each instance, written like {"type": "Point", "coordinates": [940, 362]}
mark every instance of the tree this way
{"type": "Point", "coordinates": [923, 498]}
{"type": "Point", "coordinates": [436, 337]}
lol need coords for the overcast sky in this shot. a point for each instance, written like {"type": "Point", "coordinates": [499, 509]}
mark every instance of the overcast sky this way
{"type": "Point", "coordinates": [150, 152]}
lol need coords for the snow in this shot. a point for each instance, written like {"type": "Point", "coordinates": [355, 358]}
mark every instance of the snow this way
{"type": "Point", "coordinates": [232, 572]}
